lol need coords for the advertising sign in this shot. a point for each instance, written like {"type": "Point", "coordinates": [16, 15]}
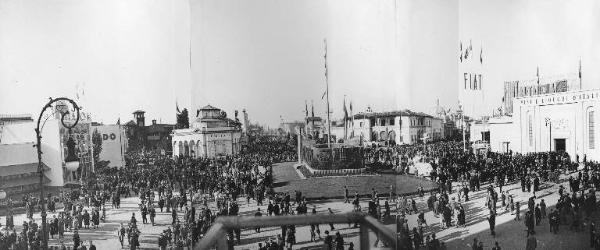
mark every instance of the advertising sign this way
{"type": "Point", "coordinates": [113, 144]}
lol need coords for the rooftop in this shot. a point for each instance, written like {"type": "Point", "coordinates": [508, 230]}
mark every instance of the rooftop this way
{"type": "Point", "coordinates": [405, 112]}
{"type": "Point", "coordinates": [209, 107]}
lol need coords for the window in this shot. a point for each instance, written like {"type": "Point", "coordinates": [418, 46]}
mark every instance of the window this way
{"type": "Point", "coordinates": [591, 138]}
{"type": "Point", "coordinates": [392, 122]}
{"type": "Point", "coordinates": [382, 122]}
{"type": "Point", "coordinates": [361, 124]}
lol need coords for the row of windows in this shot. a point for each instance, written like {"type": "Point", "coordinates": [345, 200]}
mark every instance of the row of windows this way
{"type": "Point", "coordinates": [391, 122]}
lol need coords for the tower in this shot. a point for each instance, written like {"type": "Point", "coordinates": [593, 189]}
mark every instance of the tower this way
{"type": "Point", "coordinates": [138, 115]}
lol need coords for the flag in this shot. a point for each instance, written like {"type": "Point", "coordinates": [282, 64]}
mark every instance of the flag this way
{"type": "Point", "coordinates": [177, 107]}
{"type": "Point", "coordinates": [579, 68]}
{"type": "Point", "coordinates": [537, 73]}
{"type": "Point", "coordinates": [461, 52]}
{"type": "Point", "coordinates": [306, 108]}
{"type": "Point", "coordinates": [345, 112]}
{"type": "Point", "coordinates": [481, 55]}
{"type": "Point", "coordinates": [325, 41]}
{"type": "Point", "coordinates": [324, 94]}
{"type": "Point", "coordinates": [471, 45]}
{"type": "Point", "coordinates": [350, 107]}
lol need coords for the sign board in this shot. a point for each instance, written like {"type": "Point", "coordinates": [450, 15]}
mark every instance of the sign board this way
{"type": "Point", "coordinates": [114, 144]}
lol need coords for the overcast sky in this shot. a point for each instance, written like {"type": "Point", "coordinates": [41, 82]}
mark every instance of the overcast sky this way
{"type": "Point", "coordinates": [267, 55]}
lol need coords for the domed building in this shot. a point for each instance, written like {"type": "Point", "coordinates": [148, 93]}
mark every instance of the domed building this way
{"type": "Point", "coordinates": [212, 134]}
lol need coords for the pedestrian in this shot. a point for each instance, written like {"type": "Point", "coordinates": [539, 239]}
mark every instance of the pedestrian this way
{"type": "Point", "coordinates": [328, 241]}
{"type": "Point", "coordinates": [492, 222]}
{"type": "Point", "coordinates": [531, 243]}
{"type": "Point", "coordinates": [496, 246]}
{"type": "Point", "coordinates": [331, 224]}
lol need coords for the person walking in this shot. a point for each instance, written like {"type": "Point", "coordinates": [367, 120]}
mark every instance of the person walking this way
{"type": "Point", "coordinates": [492, 221]}
{"type": "Point", "coordinates": [531, 243]}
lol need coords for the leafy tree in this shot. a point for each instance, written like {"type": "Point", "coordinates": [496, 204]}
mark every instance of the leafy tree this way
{"type": "Point", "coordinates": [183, 121]}
{"type": "Point", "coordinates": [97, 144]}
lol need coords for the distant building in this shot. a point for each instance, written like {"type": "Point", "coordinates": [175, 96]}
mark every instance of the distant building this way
{"type": "Point", "coordinates": [291, 127]}
{"type": "Point", "coordinates": [314, 126]}
{"type": "Point", "coordinates": [211, 134]}
{"type": "Point", "coordinates": [395, 127]}
{"type": "Point", "coordinates": [534, 87]}
{"type": "Point", "coordinates": [153, 137]}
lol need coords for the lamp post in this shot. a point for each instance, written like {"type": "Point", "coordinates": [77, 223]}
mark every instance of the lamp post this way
{"type": "Point", "coordinates": [71, 159]}
{"type": "Point", "coordinates": [549, 125]}
{"type": "Point", "coordinates": [2, 197]}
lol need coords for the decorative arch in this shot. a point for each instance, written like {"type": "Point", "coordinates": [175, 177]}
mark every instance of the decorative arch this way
{"type": "Point", "coordinates": [180, 151]}
{"type": "Point", "coordinates": [382, 136]}
{"type": "Point", "coordinates": [192, 149]}
{"type": "Point", "coordinates": [186, 149]}
{"type": "Point", "coordinates": [392, 136]}
{"type": "Point", "coordinates": [198, 148]}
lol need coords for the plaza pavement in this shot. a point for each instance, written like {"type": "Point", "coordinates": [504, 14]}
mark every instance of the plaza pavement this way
{"type": "Point", "coordinates": [510, 234]}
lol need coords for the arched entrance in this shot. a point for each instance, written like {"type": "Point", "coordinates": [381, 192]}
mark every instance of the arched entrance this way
{"type": "Point", "coordinates": [186, 149]}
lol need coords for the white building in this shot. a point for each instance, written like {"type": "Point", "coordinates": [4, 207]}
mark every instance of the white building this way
{"type": "Point", "coordinates": [211, 134]}
{"type": "Point", "coordinates": [17, 138]}
{"type": "Point", "coordinates": [563, 121]}
{"type": "Point", "coordinates": [558, 122]}
{"type": "Point", "coordinates": [396, 127]}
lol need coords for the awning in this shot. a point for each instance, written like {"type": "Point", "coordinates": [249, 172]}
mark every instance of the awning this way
{"type": "Point", "coordinates": [19, 169]}
{"type": "Point", "coordinates": [17, 182]}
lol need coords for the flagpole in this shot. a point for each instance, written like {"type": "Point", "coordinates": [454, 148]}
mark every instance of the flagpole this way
{"type": "Point", "coordinates": [327, 93]}
{"type": "Point", "coordinates": [345, 121]}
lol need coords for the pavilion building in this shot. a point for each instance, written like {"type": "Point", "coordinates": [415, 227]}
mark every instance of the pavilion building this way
{"type": "Point", "coordinates": [212, 134]}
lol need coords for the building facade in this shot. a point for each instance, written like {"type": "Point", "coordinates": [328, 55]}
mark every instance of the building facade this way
{"type": "Point", "coordinates": [558, 122]}
{"type": "Point", "coordinates": [212, 134]}
{"type": "Point", "coordinates": [153, 137]}
{"type": "Point", "coordinates": [395, 127]}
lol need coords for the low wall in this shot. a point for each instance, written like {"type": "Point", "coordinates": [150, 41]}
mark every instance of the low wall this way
{"type": "Point", "coordinates": [319, 157]}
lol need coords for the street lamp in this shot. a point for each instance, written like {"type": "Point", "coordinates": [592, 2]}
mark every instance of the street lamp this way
{"type": "Point", "coordinates": [62, 108]}
{"type": "Point", "coordinates": [549, 124]}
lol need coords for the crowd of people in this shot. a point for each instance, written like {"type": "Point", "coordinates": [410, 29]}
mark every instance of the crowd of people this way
{"type": "Point", "coordinates": [491, 172]}
{"type": "Point", "coordinates": [178, 185]}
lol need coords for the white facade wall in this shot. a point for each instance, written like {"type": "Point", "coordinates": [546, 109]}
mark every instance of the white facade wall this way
{"type": "Point", "coordinates": [206, 143]}
{"type": "Point", "coordinates": [544, 121]}
{"type": "Point", "coordinates": [114, 144]}
{"type": "Point", "coordinates": [502, 133]}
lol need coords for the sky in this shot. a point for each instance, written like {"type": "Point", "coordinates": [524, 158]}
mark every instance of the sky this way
{"type": "Point", "coordinates": [266, 56]}
{"type": "Point", "coordinates": [519, 36]}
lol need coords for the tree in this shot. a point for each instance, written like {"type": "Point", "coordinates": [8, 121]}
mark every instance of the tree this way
{"type": "Point", "coordinates": [97, 147]}
{"type": "Point", "coordinates": [97, 144]}
{"type": "Point", "coordinates": [183, 121]}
